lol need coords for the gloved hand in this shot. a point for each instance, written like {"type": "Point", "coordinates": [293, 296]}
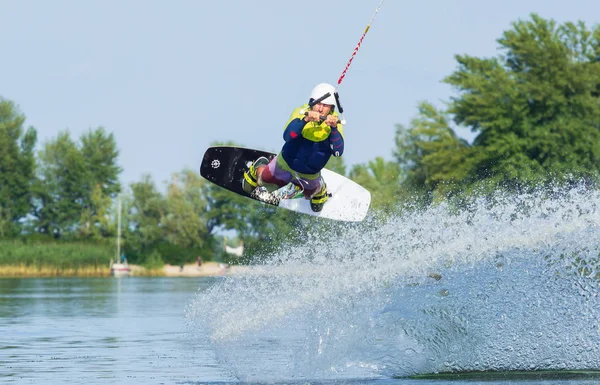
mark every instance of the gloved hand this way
{"type": "Point", "coordinates": [332, 121]}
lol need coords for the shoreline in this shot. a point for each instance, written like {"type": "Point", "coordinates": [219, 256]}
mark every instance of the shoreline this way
{"type": "Point", "coordinates": [207, 269]}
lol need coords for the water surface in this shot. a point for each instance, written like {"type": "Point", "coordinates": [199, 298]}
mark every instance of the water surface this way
{"type": "Point", "coordinates": [506, 284]}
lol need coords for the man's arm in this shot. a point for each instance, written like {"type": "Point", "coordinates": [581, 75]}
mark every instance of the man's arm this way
{"type": "Point", "coordinates": [293, 129]}
{"type": "Point", "coordinates": [336, 142]}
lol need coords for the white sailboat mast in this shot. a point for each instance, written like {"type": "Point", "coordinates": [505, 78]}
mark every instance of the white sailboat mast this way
{"type": "Point", "coordinates": [119, 229]}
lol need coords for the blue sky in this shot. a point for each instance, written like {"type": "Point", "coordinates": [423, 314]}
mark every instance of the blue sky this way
{"type": "Point", "coordinates": [170, 77]}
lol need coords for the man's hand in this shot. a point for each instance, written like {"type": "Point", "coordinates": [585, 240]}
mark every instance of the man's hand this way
{"type": "Point", "coordinates": [332, 121]}
{"type": "Point", "coordinates": [312, 116]}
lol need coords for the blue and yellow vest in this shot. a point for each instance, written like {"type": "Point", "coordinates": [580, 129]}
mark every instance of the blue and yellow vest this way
{"type": "Point", "coordinates": [308, 153]}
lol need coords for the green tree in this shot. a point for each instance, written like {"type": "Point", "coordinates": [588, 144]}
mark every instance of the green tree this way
{"type": "Point", "coordinates": [76, 182]}
{"type": "Point", "coordinates": [184, 222]}
{"type": "Point", "coordinates": [430, 153]}
{"type": "Point", "coordinates": [95, 220]}
{"type": "Point", "coordinates": [382, 179]}
{"type": "Point", "coordinates": [100, 154]}
{"type": "Point", "coordinates": [61, 189]}
{"type": "Point", "coordinates": [17, 167]}
{"type": "Point", "coordinates": [6, 225]}
{"type": "Point", "coordinates": [535, 107]}
{"type": "Point", "coordinates": [144, 232]}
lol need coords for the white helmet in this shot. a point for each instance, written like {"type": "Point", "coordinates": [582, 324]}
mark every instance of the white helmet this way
{"type": "Point", "coordinates": [320, 90]}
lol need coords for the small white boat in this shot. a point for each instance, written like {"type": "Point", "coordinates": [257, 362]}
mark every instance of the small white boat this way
{"type": "Point", "coordinates": [119, 269]}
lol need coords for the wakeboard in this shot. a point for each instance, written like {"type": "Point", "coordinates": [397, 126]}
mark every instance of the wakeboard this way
{"type": "Point", "coordinates": [225, 166]}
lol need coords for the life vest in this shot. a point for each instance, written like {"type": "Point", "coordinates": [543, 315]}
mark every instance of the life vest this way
{"type": "Point", "coordinates": [309, 153]}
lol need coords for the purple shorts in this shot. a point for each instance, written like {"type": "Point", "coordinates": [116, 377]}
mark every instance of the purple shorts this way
{"type": "Point", "coordinates": [273, 174]}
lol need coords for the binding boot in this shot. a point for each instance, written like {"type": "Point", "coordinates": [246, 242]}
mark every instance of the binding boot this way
{"type": "Point", "coordinates": [318, 200]}
{"type": "Point", "coordinates": [249, 183]}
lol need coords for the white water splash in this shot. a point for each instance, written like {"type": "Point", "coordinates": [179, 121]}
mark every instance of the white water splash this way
{"type": "Point", "coordinates": [518, 291]}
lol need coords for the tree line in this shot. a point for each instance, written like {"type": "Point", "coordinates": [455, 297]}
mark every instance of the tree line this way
{"type": "Point", "coordinates": [534, 110]}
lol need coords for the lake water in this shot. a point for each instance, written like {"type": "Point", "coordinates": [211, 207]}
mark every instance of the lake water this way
{"type": "Point", "coordinates": [128, 331]}
{"type": "Point", "coordinates": [101, 331]}
{"type": "Point", "coordinates": [509, 286]}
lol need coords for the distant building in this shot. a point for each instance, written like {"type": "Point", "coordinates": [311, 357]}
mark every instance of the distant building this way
{"type": "Point", "coordinates": [237, 251]}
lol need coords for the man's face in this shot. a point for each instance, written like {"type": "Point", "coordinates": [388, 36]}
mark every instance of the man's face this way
{"type": "Point", "coordinates": [321, 108]}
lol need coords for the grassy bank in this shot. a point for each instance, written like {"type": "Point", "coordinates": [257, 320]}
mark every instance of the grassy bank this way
{"type": "Point", "coordinates": [55, 254]}
{"type": "Point", "coordinates": [50, 259]}
{"type": "Point", "coordinates": [24, 271]}
{"type": "Point", "coordinates": [49, 271]}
